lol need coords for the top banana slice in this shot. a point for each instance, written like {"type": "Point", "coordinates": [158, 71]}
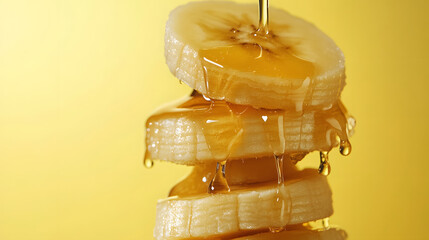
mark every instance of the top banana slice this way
{"type": "Point", "coordinates": [215, 48]}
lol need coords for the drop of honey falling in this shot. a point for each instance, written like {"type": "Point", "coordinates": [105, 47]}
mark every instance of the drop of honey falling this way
{"type": "Point", "coordinates": [345, 147]}
{"type": "Point", "coordinates": [280, 169]}
{"type": "Point", "coordinates": [324, 167]}
{"type": "Point", "coordinates": [147, 162]}
{"type": "Point", "coordinates": [219, 182]}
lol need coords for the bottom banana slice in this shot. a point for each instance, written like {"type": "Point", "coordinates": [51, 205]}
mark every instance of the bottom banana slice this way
{"type": "Point", "coordinates": [330, 234]}
{"type": "Point", "coordinates": [241, 211]}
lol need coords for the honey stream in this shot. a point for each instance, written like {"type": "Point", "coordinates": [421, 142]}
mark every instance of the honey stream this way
{"type": "Point", "coordinates": [263, 17]}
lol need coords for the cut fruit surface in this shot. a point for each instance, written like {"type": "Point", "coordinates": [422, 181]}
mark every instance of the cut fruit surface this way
{"type": "Point", "coordinates": [198, 130]}
{"type": "Point", "coordinates": [214, 47]}
{"type": "Point", "coordinates": [241, 211]}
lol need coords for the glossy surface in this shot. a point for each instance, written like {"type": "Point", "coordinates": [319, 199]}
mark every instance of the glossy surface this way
{"type": "Point", "coordinates": [257, 59]}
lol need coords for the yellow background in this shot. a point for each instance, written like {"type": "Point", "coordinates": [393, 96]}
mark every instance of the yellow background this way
{"type": "Point", "coordinates": [79, 78]}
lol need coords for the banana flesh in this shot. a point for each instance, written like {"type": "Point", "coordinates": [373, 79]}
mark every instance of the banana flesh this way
{"type": "Point", "coordinates": [211, 215]}
{"type": "Point", "coordinates": [195, 130]}
{"type": "Point", "coordinates": [295, 66]}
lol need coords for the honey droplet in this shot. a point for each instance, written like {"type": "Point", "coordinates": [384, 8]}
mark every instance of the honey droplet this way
{"type": "Point", "coordinates": [345, 147]}
{"type": "Point", "coordinates": [147, 162]}
{"type": "Point", "coordinates": [324, 167]}
{"type": "Point", "coordinates": [219, 182]}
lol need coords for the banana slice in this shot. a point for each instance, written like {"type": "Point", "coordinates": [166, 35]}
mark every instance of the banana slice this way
{"type": "Point", "coordinates": [214, 48]}
{"type": "Point", "coordinates": [241, 212]}
{"type": "Point", "coordinates": [196, 130]}
{"type": "Point", "coordinates": [330, 234]}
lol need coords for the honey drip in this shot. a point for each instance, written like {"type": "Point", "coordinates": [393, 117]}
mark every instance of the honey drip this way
{"type": "Point", "coordinates": [345, 147]}
{"type": "Point", "coordinates": [219, 182]}
{"type": "Point", "coordinates": [279, 168]}
{"type": "Point", "coordinates": [263, 17]}
{"type": "Point", "coordinates": [324, 167]}
{"type": "Point", "coordinates": [147, 162]}
{"type": "Point", "coordinates": [280, 199]}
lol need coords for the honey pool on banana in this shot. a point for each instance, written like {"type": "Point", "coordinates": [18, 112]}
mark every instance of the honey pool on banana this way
{"type": "Point", "coordinates": [260, 104]}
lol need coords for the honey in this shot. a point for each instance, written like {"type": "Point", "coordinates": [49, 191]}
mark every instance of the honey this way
{"type": "Point", "coordinates": [256, 59]}
{"type": "Point", "coordinates": [219, 183]}
{"type": "Point", "coordinates": [147, 161]}
{"type": "Point", "coordinates": [345, 147]}
{"type": "Point", "coordinates": [324, 167]}
{"type": "Point", "coordinates": [280, 201]}
{"type": "Point", "coordinates": [264, 17]}
{"type": "Point", "coordinates": [280, 169]}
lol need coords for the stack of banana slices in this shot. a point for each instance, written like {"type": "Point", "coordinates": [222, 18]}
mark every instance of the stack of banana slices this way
{"type": "Point", "coordinates": [261, 102]}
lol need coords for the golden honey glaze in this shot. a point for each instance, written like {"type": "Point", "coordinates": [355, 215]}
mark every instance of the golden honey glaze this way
{"type": "Point", "coordinates": [255, 58]}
